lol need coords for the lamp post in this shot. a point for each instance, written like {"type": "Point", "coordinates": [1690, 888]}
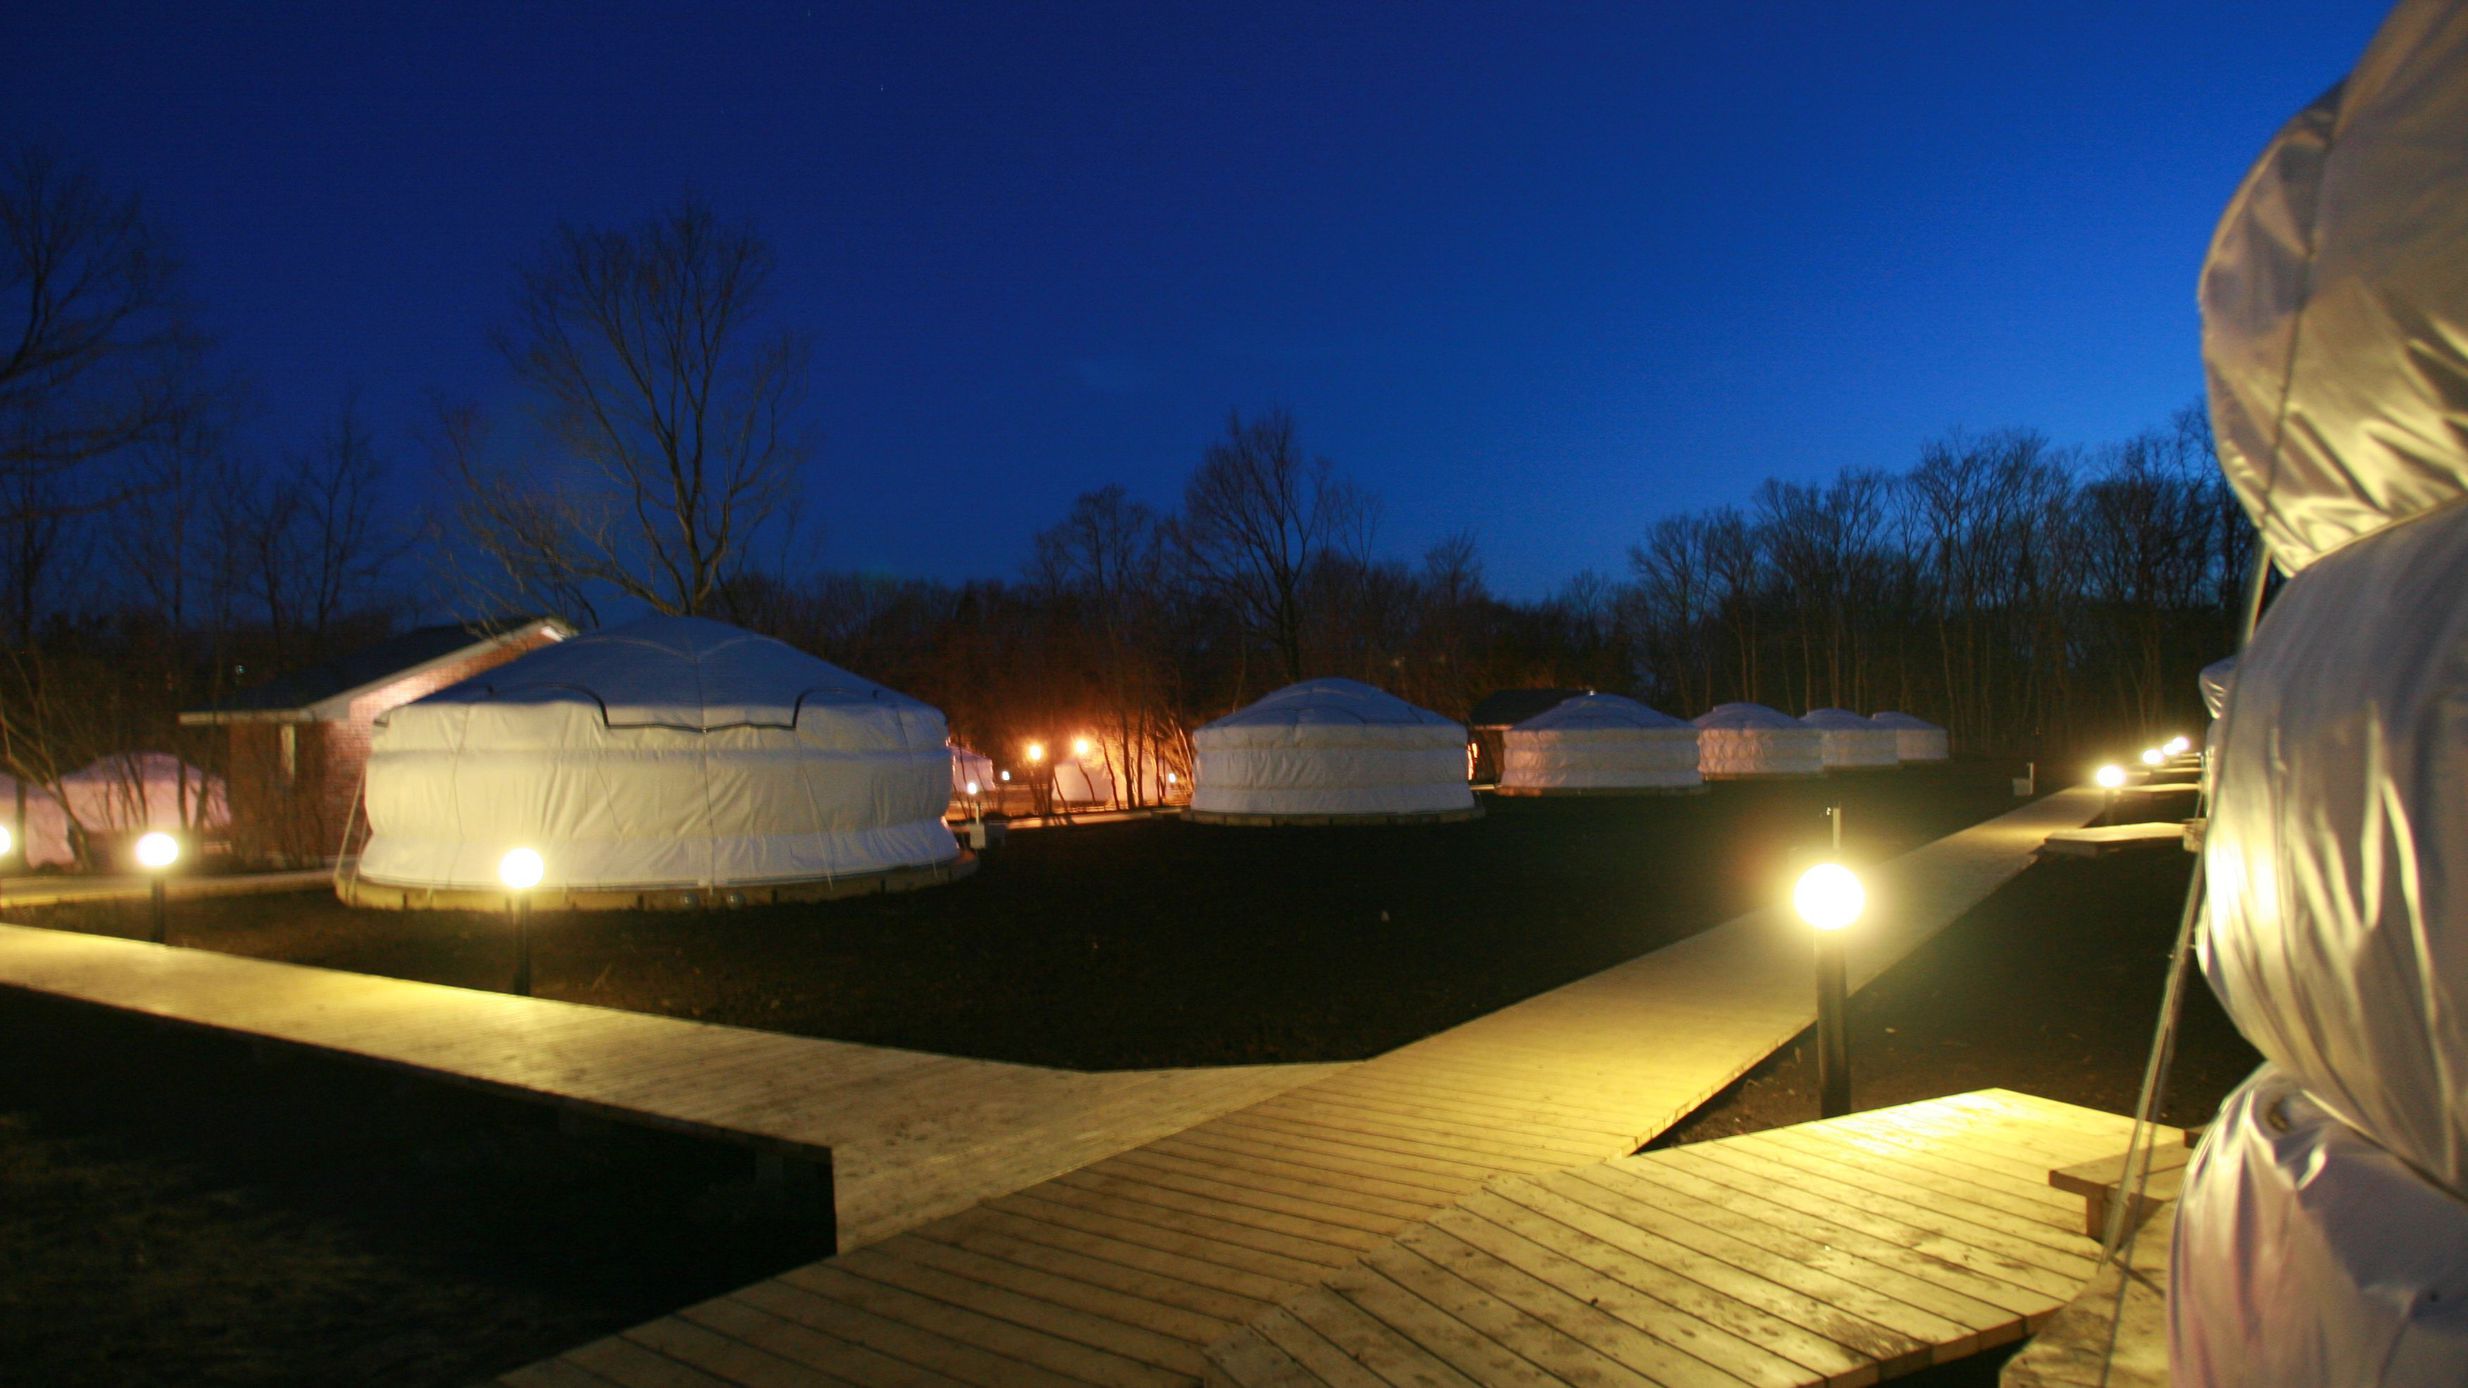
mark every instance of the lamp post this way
{"type": "Point", "coordinates": [156, 852]}
{"type": "Point", "coordinates": [520, 870]}
{"type": "Point", "coordinates": [1829, 897]}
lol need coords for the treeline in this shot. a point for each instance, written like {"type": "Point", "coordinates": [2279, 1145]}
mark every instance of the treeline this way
{"type": "Point", "coordinates": [158, 551]}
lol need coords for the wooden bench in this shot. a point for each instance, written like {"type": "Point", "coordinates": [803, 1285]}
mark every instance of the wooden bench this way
{"type": "Point", "coordinates": [2099, 1182]}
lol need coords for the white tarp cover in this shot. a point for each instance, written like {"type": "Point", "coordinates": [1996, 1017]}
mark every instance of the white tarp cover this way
{"type": "Point", "coordinates": [2307, 1255]}
{"type": "Point", "coordinates": [1853, 741]}
{"type": "Point", "coordinates": [1753, 740]}
{"type": "Point", "coordinates": [2335, 299]}
{"type": "Point", "coordinates": [666, 752]}
{"type": "Point", "coordinates": [1915, 738]}
{"type": "Point", "coordinates": [1330, 747]}
{"type": "Point", "coordinates": [119, 795]}
{"type": "Point", "coordinates": [967, 766]}
{"type": "Point", "coordinates": [2337, 854]}
{"type": "Point", "coordinates": [1599, 742]}
{"type": "Point", "coordinates": [1078, 782]}
{"type": "Point", "coordinates": [2215, 679]}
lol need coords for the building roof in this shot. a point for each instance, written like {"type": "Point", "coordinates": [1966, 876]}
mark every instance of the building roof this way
{"type": "Point", "coordinates": [1508, 707]}
{"type": "Point", "coordinates": [324, 692]}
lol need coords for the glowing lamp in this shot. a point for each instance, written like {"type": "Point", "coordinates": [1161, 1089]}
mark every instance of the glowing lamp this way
{"type": "Point", "coordinates": [2177, 746]}
{"type": "Point", "coordinates": [157, 851]}
{"type": "Point", "coordinates": [972, 787]}
{"type": "Point", "coordinates": [2110, 776]}
{"type": "Point", "coordinates": [1080, 747]}
{"type": "Point", "coordinates": [1170, 779]}
{"type": "Point", "coordinates": [2152, 756]}
{"type": "Point", "coordinates": [1829, 896]}
{"type": "Point", "coordinates": [521, 869]}
{"type": "Point", "coordinates": [1006, 776]}
{"type": "Point", "coordinates": [1036, 752]}
{"type": "Point", "coordinates": [7, 840]}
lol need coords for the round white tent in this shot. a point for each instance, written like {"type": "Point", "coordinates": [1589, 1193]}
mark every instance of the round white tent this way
{"type": "Point", "coordinates": [1742, 740]}
{"type": "Point", "coordinates": [1915, 739]}
{"type": "Point", "coordinates": [1597, 743]}
{"type": "Point", "coordinates": [1330, 751]}
{"type": "Point", "coordinates": [1852, 743]}
{"type": "Point", "coordinates": [967, 766]}
{"type": "Point", "coordinates": [651, 763]}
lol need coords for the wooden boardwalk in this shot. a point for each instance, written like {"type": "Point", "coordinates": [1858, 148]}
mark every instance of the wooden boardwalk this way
{"type": "Point", "coordinates": [1837, 1252]}
{"type": "Point", "coordinates": [1126, 1271]}
{"type": "Point", "coordinates": [910, 1136]}
{"type": "Point", "coordinates": [45, 889]}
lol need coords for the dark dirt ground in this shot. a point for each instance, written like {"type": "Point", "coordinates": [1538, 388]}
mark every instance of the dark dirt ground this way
{"type": "Point", "coordinates": [173, 1213]}
{"type": "Point", "coordinates": [1156, 943]}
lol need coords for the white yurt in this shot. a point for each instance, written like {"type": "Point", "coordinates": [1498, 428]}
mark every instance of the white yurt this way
{"type": "Point", "coordinates": [968, 766]}
{"type": "Point", "coordinates": [1742, 740]}
{"type": "Point", "coordinates": [2320, 1234]}
{"type": "Point", "coordinates": [117, 797]}
{"type": "Point", "coordinates": [1330, 751]}
{"type": "Point", "coordinates": [1083, 781]}
{"type": "Point", "coordinates": [1853, 743]}
{"type": "Point", "coordinates": [1597, 743]}
{"type": "Point", "coordinates": [1915, 738]}
{"type": "Point", "coordinates": [654, 762]}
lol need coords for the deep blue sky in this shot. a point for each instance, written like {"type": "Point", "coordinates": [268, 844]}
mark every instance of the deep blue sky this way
{"type": "Point", "coordinates": [1543, 271]}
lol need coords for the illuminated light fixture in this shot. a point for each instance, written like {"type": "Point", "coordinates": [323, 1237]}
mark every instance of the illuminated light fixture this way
{"type": "Point", "coordinates": [1006, 776]}
{"type": "Point", "coordinates": [156, 852]}
{"type": "Point", "coordinates": [1036, 753]}
{"type": "Point", "coordinates": [2110, 776]}
{"type": "Point", "coordinates": [1829, 896]}
{"type": "Point", "coordinates": [2152, 756]}
{"type": "Point", "coordinates": [972, 787]}
{"type": "Point", "coordinates": [1170, 779]}
{"type": "Point", "coordinates": [7, 841]}
{"type": "Point", "coordinates": [521, 869]}
{"type": "Point", "coordinates": [1080, 747]}
{"type": "Point", "coordinates": [2177, 746]}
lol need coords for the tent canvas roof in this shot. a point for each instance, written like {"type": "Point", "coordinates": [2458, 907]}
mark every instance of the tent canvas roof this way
{"type": "Point", "coordinates": [1587, 711]}
{"type": "Point", "coordinates": [1333, 701]}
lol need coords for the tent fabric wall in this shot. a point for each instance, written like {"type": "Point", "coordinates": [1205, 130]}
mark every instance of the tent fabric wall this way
{"type": "Point", "coordinates": [1852, 742]}
{"type": "Point", "coordinates": [668, 752]}
{"type": "Point", "coordinates": [1743, 740]}
{"type": "Point", "coordinates": [2337, 932]}
{"type": "Point", "coordinates": [119, 795]}
{"type": "Point", "coordinates": [967, 766]}
{"type": "Point", "coordinates": [1915, 739]}
{"type": "Point", "coordinates": [2307, 1255]}
{"type": "Point", "coordinates": [1333, 749]}
{"type": "Point", "coordinates": [1599, 742]}
{"type": "Point", "coordinates": [2335, 324]}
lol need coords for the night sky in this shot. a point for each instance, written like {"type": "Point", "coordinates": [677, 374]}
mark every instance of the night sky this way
{"type": "Point", "coordinates": [1546, 272]}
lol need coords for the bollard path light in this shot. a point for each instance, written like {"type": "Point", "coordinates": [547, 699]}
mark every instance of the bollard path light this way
{"type": "Point", "coordinates": [521, 870]}
{"type": "Point", "coordinates": [2177, 746]}
{"type": "Point", "coordinates": [2152, 756]}
{"type": "Point", "coordinates": [1829, 898]}
{"type": "Point", "coordinates": [156, 852]}
{"type": "Point", "coordinates": [2110, 776]}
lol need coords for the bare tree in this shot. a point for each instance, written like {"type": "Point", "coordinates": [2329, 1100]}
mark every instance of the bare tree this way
{"type": "Point", "coordinates": [1257, 517]}
{"type": "Point", "coordinates": [667, 412]}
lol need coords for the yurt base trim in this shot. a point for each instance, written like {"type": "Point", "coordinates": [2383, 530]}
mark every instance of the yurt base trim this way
{"type": "Point", "coordinates": [1571, 792]}
{"type": "Point", "coordinates": [1305, 820]}
{"type": "Point", "coordinates": [355, 890]}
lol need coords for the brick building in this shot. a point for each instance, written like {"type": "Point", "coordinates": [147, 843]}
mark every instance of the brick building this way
{"type": "Point", "coordinates": [299, 743]}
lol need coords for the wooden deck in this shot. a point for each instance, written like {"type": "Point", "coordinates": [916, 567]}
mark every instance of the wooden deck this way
{"type": "Point", "coordinates": [2105, 839]}
{"type": "Point", "coordinates": [1838, 1252]}
{"type": "Point", "coordinates": [910, 1136]}
{"type": "Point", "coordinates": [1126, 1271]}
{"type": "Point", "coordinates": [45, 889]}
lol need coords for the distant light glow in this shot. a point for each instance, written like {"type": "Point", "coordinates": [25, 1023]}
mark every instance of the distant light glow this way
{"type": "Point", "coordinates": [1081, 747]}
{"type": "Point", "coordinates": [2177, 746]}
{"type": "Point", "coordinates": [157, 851]}
{"type": "Point", "coordinates": [1036, 753]}
{"type": "Point", "coordinates": [1170, 779]}
{"type": "Point", "coordinates": [2110, 776]}
{"type": "Point", "coordinates": [521, 869]}
{"type": "Point", "coordinates": [2152, 756]}
{"type": "Point", "coordinates": [1004, 777]}
{"type": "Point", "coordinates": [972, 787]}
{"type": "Point", "coordinates": [7, 840]}
{"type": "Point", "coordinates": [1829, 896]}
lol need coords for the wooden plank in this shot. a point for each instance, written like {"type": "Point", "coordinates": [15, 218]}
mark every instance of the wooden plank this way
{"type": "Point", "coordinates": [552, 1373]}
{"type": "Point", "coordinates": [2024, 1212]}
{"type": "Point", "coordinates": [1369, 1341]}
{"type": "Point", "coordinates": [1304, 1155]}
{"type": "Point", "coordinates": [805, 1345]}
{"type": "Point", "coordinates": [1419, 1083]}
{"type": "Point", "coordinates": [1431, 1333]}
{"type": "Point", "coordinates": [1127, 1352]}
{"type": "Point", "coordinates": [1234, 1247]}
{"type": "Point", "coordinates": [1946, 1207]}
{"type": "Point", "coordinates": [1434, 1139]}
{"type": "Point", "coordinates": [1118, 1267]}
{"type": "Point", "coordinates": [1942, 1160]}
{"type": "Point", "coordinates": [1221, 1268]}
{"type": "Point", "coordinates": [1370, 1151]}
{"type": "Point", "coordinates": [1451, 1111]}
{"type": "Point", "coordinates": [1640, 1278]}
{"type": "Point", "coordinates": [1045, 1278]}
{"type": "Point", "coordinates": [1296, 1235]}
{"type": "Point", "coordinates": [727, 1358]}
{"type": "Point", "coordinates": [1335, 1199]}
{"type": "Point", "coordinates": [1026, 1345]}
{"type": "Point", "coordinates": [623, 1362]}
{"type": "Point", "coordinates": [1502, 1310]}
{"type": "Point", "coordinates": [957, 1358]}
{"type": "Point", "coordinates": [1315, 1360]}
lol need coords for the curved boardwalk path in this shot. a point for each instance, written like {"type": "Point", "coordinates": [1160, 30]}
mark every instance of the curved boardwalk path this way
{"type": "Point", "coordinates": [1126, 1271]}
